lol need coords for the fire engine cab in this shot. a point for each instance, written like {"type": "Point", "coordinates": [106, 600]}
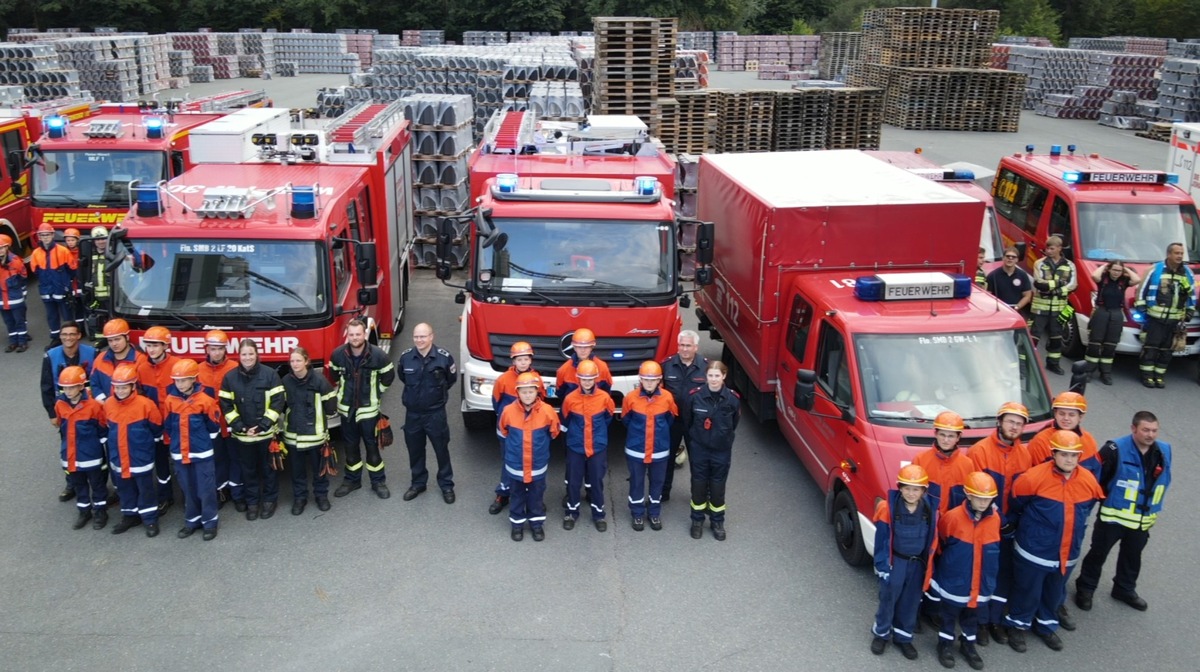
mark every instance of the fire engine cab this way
{"type": "Point", "coordinates": [1104, 210]}
{"type": "Point", "coordinates": [839, 292]}
{"type": "Point", "coordinates": [569, 231]}
{"type": "Point", "coordinates": [284, 248]}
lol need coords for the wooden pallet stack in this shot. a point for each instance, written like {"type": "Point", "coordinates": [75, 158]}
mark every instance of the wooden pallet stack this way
{"type": "Point", "coordinates": [689, 122]}
{"type": "Point", "coordinates": [745, 120]}
{"type": "Point", "coordinates": [801, 120]}
{"type": "Point", "coordinates": [932, 65]}
{"type": "Point", "coordinates": [855, 118]}
{"type": "Point", "coordinates": [634, 66]}
{"type": "Point", "coordinates": [837, 50]}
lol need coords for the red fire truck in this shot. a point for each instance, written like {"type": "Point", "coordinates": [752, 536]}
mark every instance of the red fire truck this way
{"type": "Point", "coordinates": [81, 170]}
{"type": "Point", "coordinates": [839, 293]}
{"type": "Point", "coordinates": [284, 249]}
{"type": "Point", "coordinates": [569, 232]}
{"type": "Point", "coordinates": [19, 128]}
{"type": "Point", "coordinates": [1103, 210]}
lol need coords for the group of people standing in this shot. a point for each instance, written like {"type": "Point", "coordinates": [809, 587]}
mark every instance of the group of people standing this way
{"type": "Point", "coordinates": [683, 399]}
{"type": "Point", "coordinates": [984, 540]}
{"type": "Point", "coordinates": [1166, 301]}
{"type": "Point", "coordinates": [70, 284]}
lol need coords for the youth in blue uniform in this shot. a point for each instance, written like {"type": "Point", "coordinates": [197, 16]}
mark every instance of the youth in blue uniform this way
{"type": "Point", "coordinates": [905, 537]}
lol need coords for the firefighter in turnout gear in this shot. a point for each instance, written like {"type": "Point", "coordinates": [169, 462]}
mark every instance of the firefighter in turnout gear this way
{"type": "Point", "coordinates": [252, 401]}
{"type": "Point", "coordinates": [1053, 281]}
{"type": "Point", "coordinates": [710, 417]}
{"type": "Point", "coordinates": [1168, 300]}
{"type": "Point", "coordinates": [311, 400]}
{"type": "Point", "coordinates": [362, 373]}
{"type": "Point", "coordinates": [905, 538]}
{"type": "Point", "coordinates": [97, 293]}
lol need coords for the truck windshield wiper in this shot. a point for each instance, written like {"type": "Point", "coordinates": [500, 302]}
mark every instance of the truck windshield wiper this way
{"type": "Point", "coordinates": [182, 320]}
{"type": "Point", "coordinates": [62, 198]}
{"type": "Point", "coordinates": [277, 320]}
{"type": "Point", "coordinates": [282, 289]}
{"type": "Point", "coordinates": [607, 285]}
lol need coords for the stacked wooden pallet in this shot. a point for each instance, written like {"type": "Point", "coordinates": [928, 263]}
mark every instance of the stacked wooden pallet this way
{"type": "Point", "coordinates": [837, 51]}
{"type": "Point", "coordinates": [932, 65]}
{"type": "Point", "coordinates": [634, 66]}
{"type": "Point", "coordinates": [801, 120]}
{"type": "Point", "coordinates": [689, 122]}
{"type": "Point", "coordinates": [855, 118]}
{"type": "Point", "coordinates": [745, 120]}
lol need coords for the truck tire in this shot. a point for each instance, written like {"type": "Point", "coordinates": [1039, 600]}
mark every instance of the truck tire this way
{"type": "Point", "coordinates": [847, 533]}
{"type": "Point", "coordinates": [1073, 343]}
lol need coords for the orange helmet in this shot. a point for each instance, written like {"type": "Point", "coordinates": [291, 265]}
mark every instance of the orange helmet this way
{"type": "Point", "coordinates": [528, 379]}
{"type": "Point", "coordinates": [45, 228]}
{"type": "Point", "coordinates": [157, 335]}
{"type": "Point", "coordinates": [948, 420]}
{"type": "Point", "coordinates": [71, 233]}
{"type": "Point", "coordinates": [5, 241]}
{"type": "Point", "coordinates": [587, 369]}
{"type": "Point", "coordinates": [125, 374]}
{"type": "Point", "coordinates": [520, 348]}
{"type": "Point", "coordinates": [185, 368]}
{"type": "Point", "coordinates": [1066, 441]}
{"type": "Point", "coordinates": [217, 337]}
{"type": "Point", "coordinates": [1013, 407]}
{"type": "Point", "coordinates": [116, 327]}
{"type": "Point", "coordinates": [72, 375]}
{"type": "Point", "coordinates": [1073, 400]}
{"type": "Point", "coordinates": [583, 337]}
{"type": "Point", "coordinates": [650, 369]}
{"type": "Point", "coordinates": [980, 484]}
{"type": "Point", "coordinates": [913, 474]}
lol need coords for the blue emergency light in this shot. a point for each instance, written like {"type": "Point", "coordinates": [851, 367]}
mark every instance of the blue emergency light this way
{"type": "Point", "coordinates": [618, 355]}
{"type": "Point", "coordinates": [908, 286]}
{"type": "Point", "coordinates": [1055, 150]}
{"type": "Point", "coordinates": [1072, 177]}
{"type": "Point", "coordinates": [645, 186]}
{"type": "Point", "coordinates": [506, 183]}
{"type": "Point", "coordinates": [149, 201]}
{"type": "Point", "coordinates": [154, 128]}
{"type": "Point", "coordinates": [304, 202]}
{"type": "Point", "coordinates": [56, 126]}
{"type": "Point", "coordinates": [1137, 316]}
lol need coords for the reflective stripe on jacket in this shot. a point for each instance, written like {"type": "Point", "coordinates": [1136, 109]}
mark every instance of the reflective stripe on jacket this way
{"type": "Point", "coordinates": [1051, 511]}
{"type": "Point", "coordinates": [82, 428]}
{"type": "Point", "coordinates": [648, 418]}
{"type": "Point", "coordinates": [191, 423]}
{"type": "Point", "coordinates": [1135, 497]}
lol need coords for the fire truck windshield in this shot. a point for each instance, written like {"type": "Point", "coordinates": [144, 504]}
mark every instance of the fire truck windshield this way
{"type": "Point", "coordinates": [572, 256]}
{"type": "Point", "coordinates": [1136, 232]}
{"type": "Point", "coordinates": [92, 177]}
{"type": "Point", "coordinates": [199, 278]}
{"type": "Point", "coordinates": [913, 377]}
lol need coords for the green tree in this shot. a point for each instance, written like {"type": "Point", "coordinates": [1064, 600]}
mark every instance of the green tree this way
{"type": "Point", "coordinates": [1166, 18]}
{"type": "Point", "coordinates": [1032, 18]}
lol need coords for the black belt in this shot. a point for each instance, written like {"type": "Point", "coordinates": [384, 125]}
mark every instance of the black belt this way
{"type": "Point", "coordinates": [910, 558]}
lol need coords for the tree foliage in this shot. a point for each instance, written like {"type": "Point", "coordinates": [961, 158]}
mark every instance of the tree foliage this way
{"type": "Point", "coordinates": [1056, 19]}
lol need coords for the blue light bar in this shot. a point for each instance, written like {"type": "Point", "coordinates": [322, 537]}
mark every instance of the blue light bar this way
{"type": "Point", "coordinates": [909, 286]}
{"type": "Point", "coordinates": [963, 286]}
{"type": "Point", "coordinates": [1055, 150]}
{"type": "Point", "coordinates": [1029, 148]}
{"type": "Point", "coordinates": [1071, 148]}
{"type": "Point", "coordinates": [149, 201]}
{"type": "Point", "coordinates": [964, 175]}
{"type": "Point", "coordinates": [1172, 178]}
{"type": "Point", "coordinates": [154, 128]}
{"type": "Point", "coordinates": [304, 202]}
{"type": "Point", "coordinates": [646, 186]}
{"type": "Point", "coordinates": [1072, 177]}
{"type": "Point", "coordinates": [56, 126]}
{"type": "Point", "coordinates": [506, 183]}
{"type": "Point", "coordinates": [868, 288]}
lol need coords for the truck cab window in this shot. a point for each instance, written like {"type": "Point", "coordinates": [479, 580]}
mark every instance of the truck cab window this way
{"type": "Point", "coordinates": [341, 271]}
{"type": "Point", "coordinates": [177, 164]}
{"type": "Point", "coordinates": [1033, 199]}
{"type": "Point", "coordinates": [834, 373]}
{"type": "Point", "coordinates": [352, 220]}
{"type": "Point", "coordinates": [798, 326]}
{"type": "Point", "coordinates": [1060, 225]}
{"type": "Point", "coordinates": [10, 141]}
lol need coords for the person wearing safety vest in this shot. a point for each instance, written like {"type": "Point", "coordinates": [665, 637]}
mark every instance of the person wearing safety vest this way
{"type": "Point", "coordinates": [980, 273]}
{"type": "Point", "coordinates": [710, 417]}
{"type": "Point", "coordinates": [95, 280]}
{"type": "Point", "coordinates": [1003, 457]}
{"type": "Point", "coordinates": [587, 413]}
{"type": "Point", "coordinates": [191, 421]}
{"type": "Point", "coordinates": [83, 429]}
{"type": "Point", "coordinates": [54, 266]}
{"type": "Point", "coordinates": [311, 401]}
{"type": "Point", "coordinates": [134, 427]}
{"type": "Point", "coordinates": [1054, 279]}
{"type": "Point", "coordinates": [504, 392]}
{"type": "Point", "coordinates": [154, 373]}
{"type": "Point", "coordinates": [252, 401]}
{"type": "Point", "coordinates": [212, 373]}
{"type": "Point", "coordinates": [528, 426]}
{"type": "Point", "coordinates": [57, 359]}
{"type": "Point", "coordinates": [648, 413]}
{"type": "Point", "coordinates": [14, 278]}
{"type": "Point", "coordinates": [1050, 504]}
{"type": "Point", "coordinates": [1135, 475]}
{"type": "Point", "coordinates": [362, 373]}
{"type": "Point", "coordinates": [905, 539]}
{"type": "Point", "coordinates": [119, 351]}
{"type": "Point", "coordinates": [964, 573]}
{"type": "Point", "coordinates": [1168, 301]}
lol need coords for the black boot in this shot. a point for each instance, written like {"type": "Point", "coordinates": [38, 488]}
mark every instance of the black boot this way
{"type": "Point", "coordinates": [99, 519]}
{"type": "Point", "coordinates": [1053, 366]}
{"type": "Point", "coordinates": [718, 528]}
{"type": "Point", "coordinates": [945, 651]}
{"type": "Point", "coordinates": [967, 648]}
{"type": "Point", "coordinates": [82, 519]}
{"type": "Point", "coordinates": [127, 523]}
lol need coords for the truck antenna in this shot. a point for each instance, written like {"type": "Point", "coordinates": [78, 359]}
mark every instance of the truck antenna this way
{"type": "Point", "coordinates": [932, 310]}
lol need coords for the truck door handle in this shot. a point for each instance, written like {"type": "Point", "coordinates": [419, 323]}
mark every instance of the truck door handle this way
{"type": "Point", "coordinates": [784, 366]}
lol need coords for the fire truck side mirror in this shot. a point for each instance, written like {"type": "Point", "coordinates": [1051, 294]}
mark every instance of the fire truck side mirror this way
{"type": "Point", "coordinates": [368, 296]}
{"type": "Point", "coordinates": [1022, 248]}
{"type": "Point", "coordinates": [16, 164]}
{"type": "Point", "coordinates": [704, 276]}
{"type": "Point", "coordinates": [1079, 376]}
{"type": "Point", "coordinates": [705, 234]}
{"type": "Point", "coordinates": [366, 264]}
{"type": "Point", "coordinates": [445, 239]}
{"type": "Point", "coordinates": [805, 393]}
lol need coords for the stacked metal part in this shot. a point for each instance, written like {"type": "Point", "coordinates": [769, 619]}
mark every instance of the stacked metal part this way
{"type": "Point", "coordinates": [1179, 90]}
{"type": "Point", "coordinates": [38, 71]}
{"type": "Point", "coordinates": [442, 138]}
{"type": "Point", "coordinates": [316, 53]}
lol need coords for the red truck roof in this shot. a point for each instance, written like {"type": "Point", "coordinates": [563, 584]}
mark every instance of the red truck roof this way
{"type": "Point", "coordinates": [1051, 168]}
{"type": "Point", "coordinates": [131, 130]}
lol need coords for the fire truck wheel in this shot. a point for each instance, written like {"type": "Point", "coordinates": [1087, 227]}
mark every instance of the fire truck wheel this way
{"type": "Point", "coordinates": [7, 228]}
{"type": "Point", "coordinates": [1072, 341]}
{"type": "Point", "coordinates": [479, 420]}
{"type": "Point", "coordinates": [846, 532]}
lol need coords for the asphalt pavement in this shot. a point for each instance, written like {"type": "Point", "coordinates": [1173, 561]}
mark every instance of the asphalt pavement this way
{"type": "Point", "coordinates": [422, 585]}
